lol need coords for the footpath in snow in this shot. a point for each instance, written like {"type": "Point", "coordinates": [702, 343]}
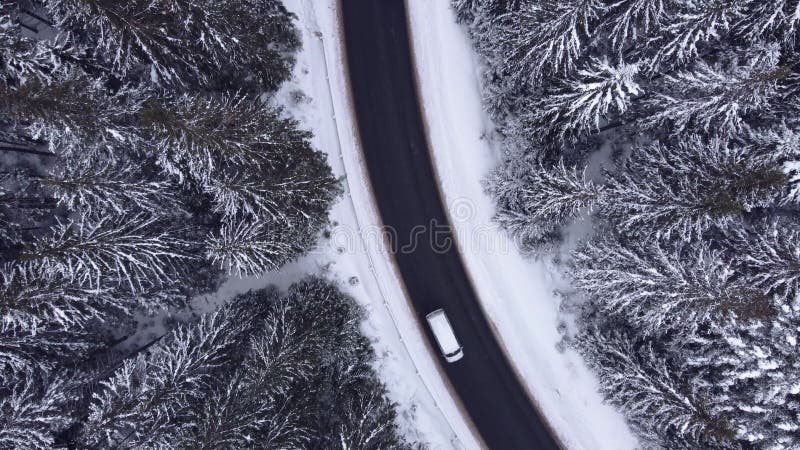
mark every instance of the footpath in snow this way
{"type": "Point", "coordinates": [354, 253]}
{"type": "Point", "coordinates": [516, 293]}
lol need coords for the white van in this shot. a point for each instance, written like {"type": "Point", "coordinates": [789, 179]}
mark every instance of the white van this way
{"type": "Point", "coordinates": [445, 337]}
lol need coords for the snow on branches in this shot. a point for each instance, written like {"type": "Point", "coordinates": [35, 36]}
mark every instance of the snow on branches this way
{"type": "Point", "coordinates": [94, 252]}
{"type": "Point", "coordinates": [659, 288]}
{"type": "Point", "coordinates": [142, 158]}
{"type": "Point", "coordinates": [32, 410]}
{"type": "Point", "coordinates": [750, 374]}
{"type": "Point", "coordinates": [723, 97]}
{"type": "Point", "coordinates": [533, 199]}
{"type": "Point", "coordinates": [689, 277]}
{"type": "Point", "coordinates": [583, 102]}
{"type": "Point", "coordinates": [545, 37]}
{"type": "Point", "coordinates": [245, 248]}
{"type": "Point", "coordinates": [688, 188]}
{"type": "Point", "coordinates": [269, 382]}
{"type": "Point", "coordinates": [100, 186]}
{"type": "Point", "coordinates": [657, 397]}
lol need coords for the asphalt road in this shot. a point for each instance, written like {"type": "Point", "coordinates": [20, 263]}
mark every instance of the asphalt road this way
{"type": "Point", "coordinates": [404, 186]}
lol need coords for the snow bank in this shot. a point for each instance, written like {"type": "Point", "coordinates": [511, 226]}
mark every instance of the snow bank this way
{"type": "Point", "coordinates": [318, 96]}
{"type": "Point", "coordinates": [516, 293]}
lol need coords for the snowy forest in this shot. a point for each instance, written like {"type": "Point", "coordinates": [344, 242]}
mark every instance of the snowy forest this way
{"type": "Point", "coordinates": [652, 149]}
{"type": "Point", "coordinates": [142, 162]}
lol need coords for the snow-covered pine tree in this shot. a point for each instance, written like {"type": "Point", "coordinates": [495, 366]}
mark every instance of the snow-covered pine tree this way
{"type": "Point", "coordinates": [295, 187]}
{"type": "Point", "coordinates": [782, 141]}
{"type": "Point", "coordinates": [369, 421]}
{"type": "Point", "coordinates": [34, 408]}
{"type": "Point", "coordinates": [346, 383]}
{"type": "Point", "coordinates": [183, 42]}
{"type": "Point", "coordinates": [768, 20]}
{"type": "Point", "coordinates": [134, 252]}
{"type": "Point", "coordinates": [75, 108]}
{"type": "Point", "coordinates": [691, 29]}
{"type": "Point", "coordinates": [750, 374]}
{"type": "Point", "coordinates": [660, 401]}
{"type": "Point", "coordinates": [659, 288]}
{"type": "Point", "coordinates": [25, 58]}
{"type": "Point", "coordinates": [244, 247]}
{"type": "Point", "coordinates": [769, 257]}
{"type": "Point", "coordinates": [257, 403]}
{"type": "Point", "coordinates": [45, 349]}
{"type": "Point", "coordinates": [740, 88]}
{"type": "Point", "coordinates": [296, 374]}
{"type": "Point", "coordinates": [629, 21]}
{"type": "Point", "coordinates": [23, 209]}
{"type": "Point", "coordinates": [104, 185]}
{"type": "Point", "coordinates": [195, 135]}
{"type": "Point", "coordinates": [148, 32]}
{"type": "Point", "coordinates": [29, 302]}
{"type": "Point", "coordinates": [686, 188]}
{"type": "Point", "coordinates": [240, 415]}
{"type": "Point", "coordinates": [142, 403]}
{"type": "Point", "coordinates": [266, 47]}
{"type": "Point", "coordinates": [544, 37]}
{"type": "Point", "coordinates": [595, 94]}
{"type": "Point", "coordinates": [535, 201]}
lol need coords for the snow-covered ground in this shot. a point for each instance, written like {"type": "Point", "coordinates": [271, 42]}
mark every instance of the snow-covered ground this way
{"type": "Point", "coordinates": [516, 293]}
{"type": "Point", "coordinates": [354, 255]}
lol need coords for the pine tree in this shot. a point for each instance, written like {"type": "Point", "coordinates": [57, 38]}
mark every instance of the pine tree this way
{"type": "Point", "coordinates": [134, 252]}
{"type": "Point", "coordinates": [369, 420]}
{"type": "Point", "coordinates": [28, 302]}
{"type": "Point", "coordinates": [24, 58]}
{"type": "Point", "coordinates": [140, 404]}
{"type": "Point", "coordinates": [630, 21]}
{"type": "Point", "coordinates": [295, 374]}
{"type": "Point", "coordinates": [183, 42]}
{"type": "Point", "coordinates": [33, 410]}
{"type": "Point", "coordinates": [693, 28]}
{"type": "Point", "coordinates": [596, 93]}
{"type": "Point", "coordinates": [293, 189]}
{"type": "Point", "coordinates": [688, 188]}
{"type": "Point", "coordinates": [45, 349]}
{"type": "Point", "coordinates": [117, 186]}
{"type": "Point", "coordinates": [545, 38]}
{"type": "Point", "coordinates": [346, 383]}
{"type": "Point", "coordinates": [751, 375]}
{"type": "Point", "coordinates": [75, 108]}
{"type": "Point", "coordinates": [770, 259]}
{"type": "Point", "coordinates": [195, 135]}
{"type": "Point", "coordinates": [724, 97]}
{"type": "Point", "coordinates": [766, 19]}
{"type": "Point", "coordinates": [246, 248]}
{"type": "Point", "coordinates": [267, 47]}
{"type": "Point", "coordinates": [660, 289]}
{"type": "Point", "coordinates": [659, 400]}
{"type": "Point", "coordinates": [258, 405]}
{"type": "Point", "coordinates": [533, 200]}
{"type": "Point", "coordinates": [783, 142]}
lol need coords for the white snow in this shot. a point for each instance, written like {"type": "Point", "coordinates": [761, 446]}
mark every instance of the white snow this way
{"type": "Point", "coordinates": [516, 293]}
{"type": "Point", "coordinates": [318, 96]}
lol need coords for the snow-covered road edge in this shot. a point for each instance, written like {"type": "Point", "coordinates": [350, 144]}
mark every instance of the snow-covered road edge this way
{"type": "Point", "coordinates": [391, 291]}
{"type": "Point", "coordinates": [515, 293]}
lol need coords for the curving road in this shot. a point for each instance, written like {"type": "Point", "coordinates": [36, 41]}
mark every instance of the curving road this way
{"type": "Point", "coordinates": [404, 186]}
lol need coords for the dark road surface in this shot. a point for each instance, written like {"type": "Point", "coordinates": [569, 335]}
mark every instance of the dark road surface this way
{"type": "Point", "coordinates": [403, 183]}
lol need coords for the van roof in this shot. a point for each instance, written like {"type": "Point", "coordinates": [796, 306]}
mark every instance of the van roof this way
{"type": "Point", "coordinates": [443, 331]}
